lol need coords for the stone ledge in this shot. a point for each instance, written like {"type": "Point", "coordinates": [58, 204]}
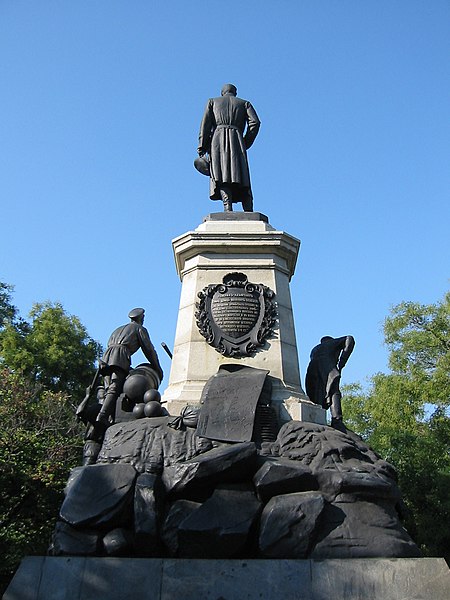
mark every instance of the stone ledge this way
{"type": "Point", "coordinates": [245, 245]}
{"type": "Point", "coordinates": [79, 578]}
{"type": "Point", "coordinates": [236, 216]}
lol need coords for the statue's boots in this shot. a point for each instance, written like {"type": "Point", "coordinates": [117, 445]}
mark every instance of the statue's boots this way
{"type": "Point", "coordinates": [114, 389]}
{"type": "Point", "coordinates": [247, 205]}
{"type": "Point", "coordinates": [225, 194]}
{"type": "Point", "coordinates": [90, 452]}
{"type": "Point", "coordinates": [338, 424]}
{"type": "Point", "coordinates": [336, 406]}
{"type": "Point", "coordinates": [336, 412]}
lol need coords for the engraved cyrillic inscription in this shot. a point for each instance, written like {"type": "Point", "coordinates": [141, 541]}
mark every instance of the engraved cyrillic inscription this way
{"type": "Point", "coordinates": [235, 314]}
{"type": "Point", "coordinates": [235, 317]}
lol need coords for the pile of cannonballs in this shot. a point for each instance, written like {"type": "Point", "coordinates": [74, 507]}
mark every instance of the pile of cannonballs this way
{"type": "Point", "coordinates": [139, 389]}
{"type": "Point", "coordinates": [150, 407]}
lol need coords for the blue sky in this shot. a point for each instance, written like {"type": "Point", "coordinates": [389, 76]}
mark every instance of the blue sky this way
{"type": "Point", "coordinates": [100, 105]}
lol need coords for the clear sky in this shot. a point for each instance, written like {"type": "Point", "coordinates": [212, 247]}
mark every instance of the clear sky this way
{"type": "Point", "coordinates": [100, 106]}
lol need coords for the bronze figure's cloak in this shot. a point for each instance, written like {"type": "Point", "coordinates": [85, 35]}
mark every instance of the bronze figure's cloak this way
{"type": "Point", "coordinates": [222, 136]}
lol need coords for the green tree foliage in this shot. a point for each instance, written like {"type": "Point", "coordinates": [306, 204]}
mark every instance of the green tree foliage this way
{"type": "Point", "coordinates": [54, 349]}
{"type": "Point", "coordinates": [45, 366]}
{"type": "Point", "coordinates": [8, 311]}
{"type": "Point", "coordinates": [404, 415]}
{"type": "Point", "coordinates": [39, 442]}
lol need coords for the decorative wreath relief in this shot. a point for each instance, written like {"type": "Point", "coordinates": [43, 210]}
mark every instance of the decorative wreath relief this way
{"type": "Point", "coordinates": [236, 316]}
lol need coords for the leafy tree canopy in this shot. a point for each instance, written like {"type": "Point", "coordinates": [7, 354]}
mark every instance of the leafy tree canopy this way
{"type": "Point", "coordinates": [39, 442]}
{"type": "Point", "coordinates": [404, 415]}
{"type": "Point", "coordinates": [8, 312]}
{"type": "Point", "coordinates": [418, 337]}
{"type": "Point", "coordinates": [44, 363]}
{"type": "Point", "coordinates": [52, 349]}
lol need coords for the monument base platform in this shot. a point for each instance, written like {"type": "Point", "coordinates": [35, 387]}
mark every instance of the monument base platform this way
{"type": "Point", "coordinates": [80, 578]}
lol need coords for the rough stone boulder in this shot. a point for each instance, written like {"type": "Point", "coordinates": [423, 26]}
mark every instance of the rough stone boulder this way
{"type": "Point", "coordinates": [98, 495]}
{"type": "Point", "coordinates": [352, 528]}
{"type": "Point", "coordinates": [148, 505]}
{"type": "Point", "coordinates": [150, 445]}
{"type": "Point", "coordinates": [341, 462]}
{"type": "Point", "coordinates": [221, 526]}
{"type": "Point", "coordinates": [276, 477]}
{"type": "Point", "coordinates": [179, 511]}
{"type": "Point", "coordinates": [289, 525]}
{"type": "Point", "coordinates": [118, 542]}
{"type": "Point", "coordinates": [359, 517]}
{"type": "Point", "coordinates": [67, 540]}
{"type": "Point", "coordinates": [199, 475]}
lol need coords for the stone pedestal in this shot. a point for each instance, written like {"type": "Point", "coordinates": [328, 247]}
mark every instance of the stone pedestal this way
{"type": "Point", "coordinates": [245, 243]}
{"type": "Point", "coordinates": [80, 578]}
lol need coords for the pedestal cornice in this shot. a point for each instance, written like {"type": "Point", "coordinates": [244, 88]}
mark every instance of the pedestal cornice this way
{"type": "Point", "coordinates": [275, 243]}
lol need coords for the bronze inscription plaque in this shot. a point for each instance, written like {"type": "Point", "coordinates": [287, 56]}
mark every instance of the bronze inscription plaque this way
{"type": "Point", "coordinates": [236, 316]}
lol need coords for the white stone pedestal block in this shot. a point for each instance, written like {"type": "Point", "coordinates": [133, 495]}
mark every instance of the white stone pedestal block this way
{"type": "Point", "coordinates": [245, 243]}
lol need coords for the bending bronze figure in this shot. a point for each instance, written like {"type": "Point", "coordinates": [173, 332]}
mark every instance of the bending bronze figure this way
{"type": "Point", "coordinates": [324, 373]}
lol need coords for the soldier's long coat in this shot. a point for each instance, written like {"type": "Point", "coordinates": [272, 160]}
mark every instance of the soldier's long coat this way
{"type": "Point", "coordinates": [222, 136]}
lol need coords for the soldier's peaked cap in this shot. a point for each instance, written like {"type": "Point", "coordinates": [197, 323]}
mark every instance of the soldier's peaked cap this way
{"type": "Point", "coordinates": [136, 312]}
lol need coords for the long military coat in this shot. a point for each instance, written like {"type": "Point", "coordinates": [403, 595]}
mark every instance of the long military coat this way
{"type": "Point", "coordinates": [222, 136]}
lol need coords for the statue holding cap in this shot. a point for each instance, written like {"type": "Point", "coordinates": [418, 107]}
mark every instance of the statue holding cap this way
{"type": "Point", "coordinates": [116, 362]}
{"type": "Point", "coordinates": [222, 137]}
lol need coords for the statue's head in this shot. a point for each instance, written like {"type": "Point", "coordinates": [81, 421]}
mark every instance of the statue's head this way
{"type": "Point", "coordinates": [137, 314]}
{"type": "Point", "coordinates": [326, 338]}
{"type": "Point", "coordinates": [229, 88]}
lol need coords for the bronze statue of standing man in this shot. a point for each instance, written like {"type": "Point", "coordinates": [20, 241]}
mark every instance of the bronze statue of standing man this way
{"type": "Point", "coordinates": [222, 137]}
